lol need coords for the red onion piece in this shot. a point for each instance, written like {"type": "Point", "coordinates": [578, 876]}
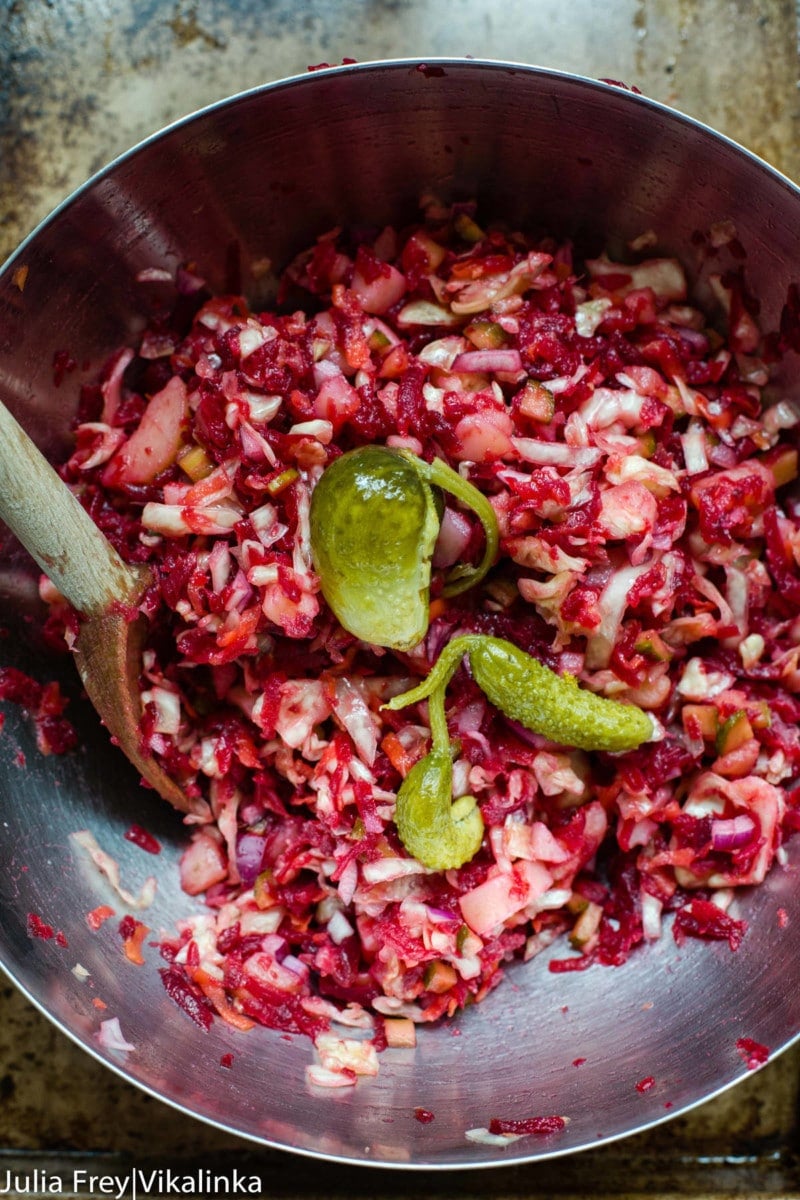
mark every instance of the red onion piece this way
{"type": "Point", "coordinates": [110, 1036]}
{"type": "Point", "coordinates": [527, 735]}
{"type": "Point", "coordinates": [442, 914]}
{"type": "Point", "coordinates": [733, 833]}
{"type": "Point", "coordinates": [695, 337]}
{"type": "Point", "coordinates": [488, 360]}
{"type": "Point", "coordinates": [249, 856]}
{"type": "Point", "coordinates": [455, 532]}
{"type": "Point", "coordinates": [439, 635]}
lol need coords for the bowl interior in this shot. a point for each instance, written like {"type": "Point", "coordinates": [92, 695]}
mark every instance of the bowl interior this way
{"type": "Point", "coordinates": [237, 190]}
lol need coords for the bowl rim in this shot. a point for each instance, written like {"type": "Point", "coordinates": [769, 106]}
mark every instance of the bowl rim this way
{"type": "Point", "coordinates": [631, 93]}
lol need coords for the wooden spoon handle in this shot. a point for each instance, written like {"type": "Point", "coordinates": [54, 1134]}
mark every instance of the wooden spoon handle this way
{"type": "Point", "coordinates": [42, 512]}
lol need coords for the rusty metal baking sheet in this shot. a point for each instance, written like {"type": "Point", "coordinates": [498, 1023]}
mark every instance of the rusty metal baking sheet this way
{"type": "Point", "coordinates": [83, 80]}
{"type": "Point", "coordinates": [64, 1117]}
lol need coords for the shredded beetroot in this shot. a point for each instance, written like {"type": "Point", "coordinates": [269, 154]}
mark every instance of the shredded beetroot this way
{"type": "Point", "coordinates": [19, 688]}
{"type": "Point", "coordinates": [753, 1053]}
{"type": "Point", "coordinates": [641, 474]}
{"type": "Point", "coordinates": [646, 1084]}
{"type": "Point", "coordinates": [702, 919]}
{"type": "Point", "coordinates": [55, 735]}
{"type": "Point", "coordinates": [187, 997]}
{"type": "Point", "coordinates": [45, 704]}
{"type": "Point", "coordinates": [127, 927]}
{"type": "Point", "coordinates": [226, 1061]}
{"type": "Point", "coordinates": [423, 1115]}
{"type": "Point", "coordinates": [37, 928]}
{"type": "Point", "coordinates": [144, 840]}
{"type": "Point", "coordinates": [538, 1126]}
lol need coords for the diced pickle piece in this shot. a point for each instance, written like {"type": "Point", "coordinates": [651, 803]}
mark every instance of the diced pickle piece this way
{"type": "Point", "coordinates": [486, 335]}
{"type": "Point", "coordinates": [733, 733]}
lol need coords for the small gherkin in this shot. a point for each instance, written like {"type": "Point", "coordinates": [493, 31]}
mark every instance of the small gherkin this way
{"type": "Point", "coordinates": [441, 834]}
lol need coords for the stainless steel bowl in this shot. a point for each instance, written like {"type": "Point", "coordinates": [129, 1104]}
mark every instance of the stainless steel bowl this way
{"type": "Point", "coordinates": [254, 178]}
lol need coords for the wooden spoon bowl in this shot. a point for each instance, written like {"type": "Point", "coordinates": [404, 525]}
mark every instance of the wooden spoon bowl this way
{"type": "Point", "coordinates": [52, 525]}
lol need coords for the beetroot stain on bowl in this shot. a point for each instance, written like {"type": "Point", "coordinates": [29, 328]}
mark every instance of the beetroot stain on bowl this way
{"type": "Point", "coordinates": [753, 1053]}
{"type": "Point", "coordinates": [37, 928]}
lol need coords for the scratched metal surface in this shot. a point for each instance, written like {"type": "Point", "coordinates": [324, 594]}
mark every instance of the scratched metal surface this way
{"type": "Point", "coordinates": [82, 80]}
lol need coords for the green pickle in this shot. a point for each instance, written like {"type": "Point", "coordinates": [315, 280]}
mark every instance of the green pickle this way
{"type": "Point", "coordinates": [554, 705]}
{"type": "Point", "coordinates": [433, 829]}
{"type": "Point", "coordinates": [440, 833]}
{"type": "Point", "coordinates": [374, 523]}
{"type": "Point", "coordinates": [373, 529]}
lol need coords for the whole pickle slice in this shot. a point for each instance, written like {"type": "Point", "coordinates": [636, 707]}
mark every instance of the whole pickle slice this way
{"type": "Point", "coordinates": [553, 705]}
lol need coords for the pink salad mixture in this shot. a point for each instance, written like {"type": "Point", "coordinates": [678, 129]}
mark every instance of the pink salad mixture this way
{"type": "Point", "coordinates": [641, 471]}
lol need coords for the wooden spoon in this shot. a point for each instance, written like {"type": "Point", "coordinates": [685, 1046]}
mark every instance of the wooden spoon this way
{"type": "Point", "coordinates": [56, 530]}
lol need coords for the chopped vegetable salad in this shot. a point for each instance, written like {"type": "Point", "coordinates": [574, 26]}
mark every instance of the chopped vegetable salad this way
{"type": "Point", "coordinates": [640, 470]}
